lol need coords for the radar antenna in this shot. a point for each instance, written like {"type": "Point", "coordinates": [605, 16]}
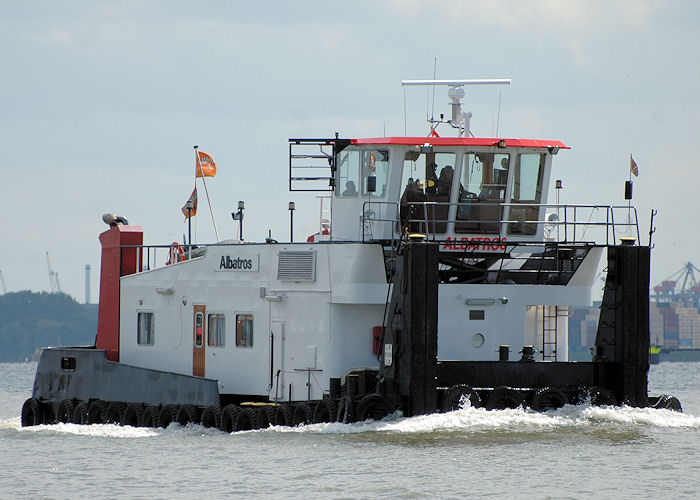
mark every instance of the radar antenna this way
{"type": "Point", "coordinates": [460, 119]}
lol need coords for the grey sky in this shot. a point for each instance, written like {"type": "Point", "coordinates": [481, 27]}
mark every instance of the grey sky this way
{"type": "Point", "coordinates": [103, 101]}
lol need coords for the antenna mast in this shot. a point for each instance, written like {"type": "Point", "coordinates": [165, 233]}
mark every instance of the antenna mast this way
{"type": "Point", "coordinates": [460, 119]}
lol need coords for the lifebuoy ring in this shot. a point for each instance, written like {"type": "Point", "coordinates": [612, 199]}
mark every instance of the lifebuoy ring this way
{"type": "Point", "coordinates": [177, 253]}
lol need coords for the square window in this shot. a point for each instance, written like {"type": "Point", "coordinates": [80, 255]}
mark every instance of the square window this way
{"type": "Point", "coordinates": [216, 331]}
{"type": "Point", "coordinates": [244, 330]}
{"type": "Point", "coordinates": [146, 329]}
{"type": "Point", "coordinates": [476, 314]}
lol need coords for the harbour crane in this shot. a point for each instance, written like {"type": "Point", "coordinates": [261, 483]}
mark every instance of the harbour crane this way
{"type": "Point", "coordinates": [54, 282]}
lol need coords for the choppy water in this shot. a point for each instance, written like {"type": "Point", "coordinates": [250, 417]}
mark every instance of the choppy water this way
{"type": "Point", "coordinates": [574, 452]}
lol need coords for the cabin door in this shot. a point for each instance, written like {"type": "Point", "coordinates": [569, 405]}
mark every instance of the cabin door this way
{"type": "Point", "coordinates": [198, 340]}
{"type": "Point", "coordinates": [277, 387]}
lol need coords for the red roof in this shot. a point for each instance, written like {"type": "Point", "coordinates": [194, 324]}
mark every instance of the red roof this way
{"type": "Point", "coordinates": [461, 141]}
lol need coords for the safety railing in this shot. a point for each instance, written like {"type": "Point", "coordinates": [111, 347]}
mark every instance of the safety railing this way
{"type": "Point", "coordinates": [601, 224]}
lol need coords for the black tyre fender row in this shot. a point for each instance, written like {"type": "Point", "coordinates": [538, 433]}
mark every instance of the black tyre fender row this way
{"type": "Point", "coordinates": [230, 418]}
{"type": "Point", "coordinates": [542, 399]}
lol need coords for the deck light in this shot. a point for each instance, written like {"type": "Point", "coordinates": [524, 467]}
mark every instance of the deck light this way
{"type": "Point", "coordinates": [553, 150]}
{"type": "Point", "coordinates": [501, 144]}
{"type": "Point", "coordinates": [239, 217]}
{"type": "Point", "coordinates": [292, 207]}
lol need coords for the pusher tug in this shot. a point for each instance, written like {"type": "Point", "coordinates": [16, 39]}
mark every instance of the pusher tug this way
{"type": "Point", "coordinates": [442, 258]}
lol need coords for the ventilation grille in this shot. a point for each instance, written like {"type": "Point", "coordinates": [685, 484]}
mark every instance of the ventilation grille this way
{"type": "Point", "coordinates": [296, 266]}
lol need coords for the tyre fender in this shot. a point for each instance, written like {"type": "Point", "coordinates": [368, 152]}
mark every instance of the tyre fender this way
{"type": "Point", "coordinates": [548, 398]}
{"type": "Point", "coordinates": [64, 413]}
{"type": "Point", "coordinates": [326, 411]}
{"type": "Point", "coordinates": [247, 420]}
{"type": "Point", "coordinates": [31, 413]}
{"type": "Point", "coordinates": [211, 416]}
{"type": "Point", "coordinates": [284, 415]}
{"type": "Point", "coordinates": [168, 415]}
{"type": "Point", "coordinates": [187, 414]}
{"type": "Point", "coordinates": [504, 397]}
{"type": "Point", "coordinates": [374, 406]}
{"type": "Point", "coordinates": [80, 414]}
{"type": "Point", "coordinates": [266, 417]}
{"type": "Point", "coordinates": [228, 418]}
{"type": "Point", "coordinates": [455, 395]}
{"type": "Point", "coordinates": [303, 414]}
{"type": "Point", "coordinates": [133, 414]}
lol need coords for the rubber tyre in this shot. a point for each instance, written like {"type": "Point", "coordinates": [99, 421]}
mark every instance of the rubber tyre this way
{"type": "Point", "coordinates": [115, 413]}
{"type": "Point", "coordinates": [64, 413]}
{"type": "Point", "coordinates": [547, 398]}
{"type": "Point", "coordinates": [97, 412]}
{"type": "Point", "coordinates": [452, 400]}
{"type": "Point", "coordinates": [187, 414]}
{"type": "Point", "coordinates": [303, 414]}
{"type": "Point", "coordinates": [228, 418]}
{"type": "Point", "coordinates": [326, 411]}
{"type": "Point", "coordinates": [211, 417]}
{"type": "Point", "coordinates": [151, 416]}
{"type": "Point", "coordinates": [374, 407]}
{"type": "Point", "coordinates": [668, 402]}
{"type": "Point", "coordinates": [284, 415]}
{"type": "Point", "coordinates": [133, 414]}
{"type": "Point", "coordinates": [266, 417]}
{"type": "Point", "coordinates": [168, 415]}
{"type": "Point", "coordinates": [504, 397]}
{"type": "Point", "coordinates": [247, 420]}
{"type": "Point", "coordinates": [346, 411]}
{"type": "Point", "coordinates": [600, 396]}
{"type": "Point", "coordinates": [47, 413]}
{"type": "Point", "coordinates": [31, 413]}
{"type": "Point", "coordinates": [80, 414]}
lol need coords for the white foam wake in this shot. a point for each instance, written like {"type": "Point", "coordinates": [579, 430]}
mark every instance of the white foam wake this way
{"type": "Point", "coordinates": [480, 420]}
{"type": "Point", "coordinates": [466, 419]}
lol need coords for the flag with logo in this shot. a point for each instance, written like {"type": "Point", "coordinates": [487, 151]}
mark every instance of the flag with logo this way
{"type": "Point", "coordinates": [192, 201]}
{"type": "Point", "coordinates": [633, 167]}
{"type": "Point", "coordinates": [206, 167]}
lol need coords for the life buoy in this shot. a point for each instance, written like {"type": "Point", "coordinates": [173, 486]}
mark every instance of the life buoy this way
{"type": "Point", "coordinates": [177, 253]}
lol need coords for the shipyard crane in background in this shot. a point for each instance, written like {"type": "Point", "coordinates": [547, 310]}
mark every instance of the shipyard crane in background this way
{"type": "Point", "coordinates": [54, 282]}
{"type": "Point", "coordinates": [2, 282]}
{"type": "Point", "coordinates": [682, 282]}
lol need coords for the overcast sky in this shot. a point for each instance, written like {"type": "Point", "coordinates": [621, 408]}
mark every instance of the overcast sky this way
{"type": "Point", "coordinates": [103, 101]}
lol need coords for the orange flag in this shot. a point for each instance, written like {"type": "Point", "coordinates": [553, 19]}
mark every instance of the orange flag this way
{"type": "Point", "coordinates": [193, 210]}
{"type": "Point", "coordinates": [206, 167]}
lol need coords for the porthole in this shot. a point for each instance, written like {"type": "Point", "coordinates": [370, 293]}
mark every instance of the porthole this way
{"type": "Point", "coordinates": [478, 339]}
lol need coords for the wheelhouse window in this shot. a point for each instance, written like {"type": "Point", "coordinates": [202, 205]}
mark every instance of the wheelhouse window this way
{"type": "Point", "coordinates": [348, 165]}
{"type": "Point", "coordinates": [356, 166]}
{"type": "Point", "coordinates": [244, 330]}
{"type": "Point", "coordinates": [526, 190]}
{"type": "Point", "coordinates": [482, 191]}
{"type": "Point", "coordinates": [145, 330]}
{"type": "Point", "coordinates": [216, 330]}
{"type": "Point", "coordinates": [375, 163]}
{"type": "Point", "coordinates": [427, 177]}
{"type": "Point", "coordinates": [199, 329]}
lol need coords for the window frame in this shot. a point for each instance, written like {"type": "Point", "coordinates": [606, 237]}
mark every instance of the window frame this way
{"type": "Point", "coordinates": [250, 342]}
{"type": "Point", "coordinates": [150, 333]}
{"type": "Point", "coordinates": [200, 338]}
{"type": "Point", "coordinates": [222, 335]}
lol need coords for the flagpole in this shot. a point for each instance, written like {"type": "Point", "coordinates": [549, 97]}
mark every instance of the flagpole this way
{"type": "Point", "coordinates": [201, 172]}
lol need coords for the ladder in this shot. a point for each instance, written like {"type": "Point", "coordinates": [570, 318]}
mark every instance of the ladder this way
{"type": "Point", "coordinates": [550, 322]}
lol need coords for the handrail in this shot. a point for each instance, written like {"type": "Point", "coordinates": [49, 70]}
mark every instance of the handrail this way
{"type": "Point", "coordinates": [575, 224]}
